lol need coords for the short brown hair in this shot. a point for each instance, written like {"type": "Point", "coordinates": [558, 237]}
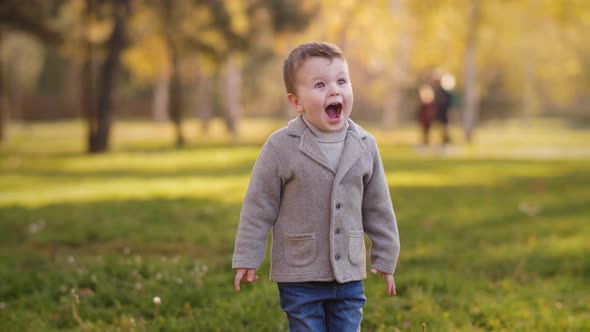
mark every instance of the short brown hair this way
{"type": "Point", "coordinates": [302, 52]}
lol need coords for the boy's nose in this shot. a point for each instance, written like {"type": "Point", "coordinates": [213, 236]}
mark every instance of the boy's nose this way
{"type": "Point", "coordinates": [333, 91]}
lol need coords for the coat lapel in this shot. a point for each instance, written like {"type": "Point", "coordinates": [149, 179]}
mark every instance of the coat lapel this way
{"type": "Point", "coordinates": [308, 145]}
{"type": "Point", "coordinates": [311, 148]}
{"type": "Point", "coordinates": [352, 151]}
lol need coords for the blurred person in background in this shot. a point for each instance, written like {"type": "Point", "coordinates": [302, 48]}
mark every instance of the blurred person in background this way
{"type": "Point", "coordinates": [427, 111]}
{"type": "Point", "coordinates": [443, 99]}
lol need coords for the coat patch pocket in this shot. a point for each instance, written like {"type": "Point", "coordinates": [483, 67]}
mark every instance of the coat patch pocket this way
{"type": "Point", "coordinates": [356, 247]}
{"type": "Point", "coordinates": [300, 249]}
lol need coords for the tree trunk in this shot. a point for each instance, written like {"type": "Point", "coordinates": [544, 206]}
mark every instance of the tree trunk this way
{"type": "Point", "coordinates": [393, 98]}
{"type": "Point", "coordinates": [99, 139]}
{"type": "Point", "coordinates": [175, 88]}
{"type": "Point", "coordinates": [175, 93]}
{"type": "Point", "coordinates": [3, 105]}
{"type": "Point", "coordinates": [87, 99]}
{"type": "Point", "coordinates": [231, 91]}
{"type": "Point", "coordinates": [471, 107]}
{"type": "Point", "coordinates": [204, 102]}
{"type": "Point", "coordinates": [161, 97]}
{"type": "Point", "coordinates": [2, 117]}
{"type": "Point", "coordinates": [529, 98]}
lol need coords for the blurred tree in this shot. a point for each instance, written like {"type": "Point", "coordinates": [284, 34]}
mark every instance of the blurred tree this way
{"type": "Point", "coordinates": [209, 39]}
{"type": "Point", "coordinates": [471, 107]}
{"type": "Point", "coordinates": [399, 68]}
{"type": "Point", "coordinates": [30, 17]}
{"type": "Point", "coordinates": [100, 117]}
{"type": "Point", "coordinates": [538, 55]}
{"type": "Point", "coordinates": [170, 13]}
{"type": "Point", "coordinates": [21, 57]}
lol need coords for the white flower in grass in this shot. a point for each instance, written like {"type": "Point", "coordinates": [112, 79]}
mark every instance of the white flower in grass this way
{"type": "Point", "coordinates": [179, 281]}
{"type": "Point", "coordinates": [36, 226]}
{"type": "Point", "coordinates": [529, 209]}
{"type": "Point", "coordinates": [71, 259]}
{"type": "Point", "coordinates": [157, 300]}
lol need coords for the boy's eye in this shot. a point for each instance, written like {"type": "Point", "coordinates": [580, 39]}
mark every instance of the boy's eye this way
{"type": "Point", "coordinates": [319, 85]}
{"type": "Point", "coordinates": [341, 81]}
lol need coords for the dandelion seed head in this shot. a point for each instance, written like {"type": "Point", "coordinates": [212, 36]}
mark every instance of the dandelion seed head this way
{"type": "Point", "coordinates": [179, 281]}
{"type": "Point", "coordinates": [157, 300]}
{"type": "Point", "coordinates": [126, 250]}
{"type": "Point", "coordinates": [36, 226]}
{"type": "Point", "coordinates": [71, 259]}
{"type": "Point", "coordinates": [2, 305]}
{"type": "Point", "coordinates": [158, 276]}
{"type": "Point", "coordinates": [33, 228]}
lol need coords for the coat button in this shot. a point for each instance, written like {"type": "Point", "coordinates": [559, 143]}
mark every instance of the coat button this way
{"type": "Point", "coordinates": [337, 231]}
{"type": "Point", "coordinates": [337, 257]}
{"type": "Point", "coordinates": [338, 206]}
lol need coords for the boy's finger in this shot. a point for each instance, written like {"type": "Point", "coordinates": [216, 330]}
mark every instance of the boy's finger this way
{"type": "Point", "coordinates": [250, 275]}
{"type": "Point", "coordinates": [238, 278]}
{"type": "Point", "coordinates": [390, 285]}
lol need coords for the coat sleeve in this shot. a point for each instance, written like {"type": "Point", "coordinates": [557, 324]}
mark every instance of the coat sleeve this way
{"type": "Point", "coordinates": [259, 210]}
{"type": "Point", "coordinates": [379, 219]}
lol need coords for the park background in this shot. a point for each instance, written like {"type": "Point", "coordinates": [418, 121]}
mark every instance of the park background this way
{"type": "Point", "coordinates": [129, 128]}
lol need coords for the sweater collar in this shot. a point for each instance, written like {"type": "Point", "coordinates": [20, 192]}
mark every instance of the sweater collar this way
{"type": "Point", "coordinates": [327, 136]}
{"type": "Point", "coordinates": [297, 127]}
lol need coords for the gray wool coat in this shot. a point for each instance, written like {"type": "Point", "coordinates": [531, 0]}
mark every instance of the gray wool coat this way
{"type": "Point", "coordinates": [318, 215]}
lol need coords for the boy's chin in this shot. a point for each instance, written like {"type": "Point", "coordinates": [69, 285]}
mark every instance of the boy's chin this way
{"type": "Point", "coordinates": [336, 125]}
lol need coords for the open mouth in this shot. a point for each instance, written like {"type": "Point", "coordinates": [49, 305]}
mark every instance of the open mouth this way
{"type": "Point", "coordinates": [334, 110]}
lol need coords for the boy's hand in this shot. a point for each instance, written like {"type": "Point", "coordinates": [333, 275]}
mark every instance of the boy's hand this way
{"type": "Point", "coordinates": [248, 275]}
{"type": "Point", "coordinates": [389, 279]}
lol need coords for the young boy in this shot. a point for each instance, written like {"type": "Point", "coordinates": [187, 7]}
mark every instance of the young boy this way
{"type": "Point", "coordinates": [319, 184]}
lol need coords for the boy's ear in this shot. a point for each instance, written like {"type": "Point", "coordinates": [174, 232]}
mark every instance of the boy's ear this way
{"type": "Point", "coordinates": [294, 101]}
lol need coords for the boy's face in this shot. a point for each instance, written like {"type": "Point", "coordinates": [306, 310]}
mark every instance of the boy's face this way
{"type": "Point", "coordinates": [323, 93]}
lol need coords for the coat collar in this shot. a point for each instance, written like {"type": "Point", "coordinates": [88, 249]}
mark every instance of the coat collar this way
{"type": "Point", "coordinates": [353, 145]}
{"type": "Point", "coordinates": [297, 128]}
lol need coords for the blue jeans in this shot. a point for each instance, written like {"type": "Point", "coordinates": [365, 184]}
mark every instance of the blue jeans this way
{"type": "Point", "coordinates": [323, 306]}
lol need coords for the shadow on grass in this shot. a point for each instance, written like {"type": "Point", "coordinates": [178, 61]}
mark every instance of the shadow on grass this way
{"type": "Point", "coordinates": [167, 226]}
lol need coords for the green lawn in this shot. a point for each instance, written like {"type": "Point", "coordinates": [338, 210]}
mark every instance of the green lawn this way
{"type": "Point", "coordinates": [495, 235]}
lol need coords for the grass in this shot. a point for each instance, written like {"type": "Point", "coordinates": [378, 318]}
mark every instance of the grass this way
{"type": "Point", "coordinates": [494, 235]}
